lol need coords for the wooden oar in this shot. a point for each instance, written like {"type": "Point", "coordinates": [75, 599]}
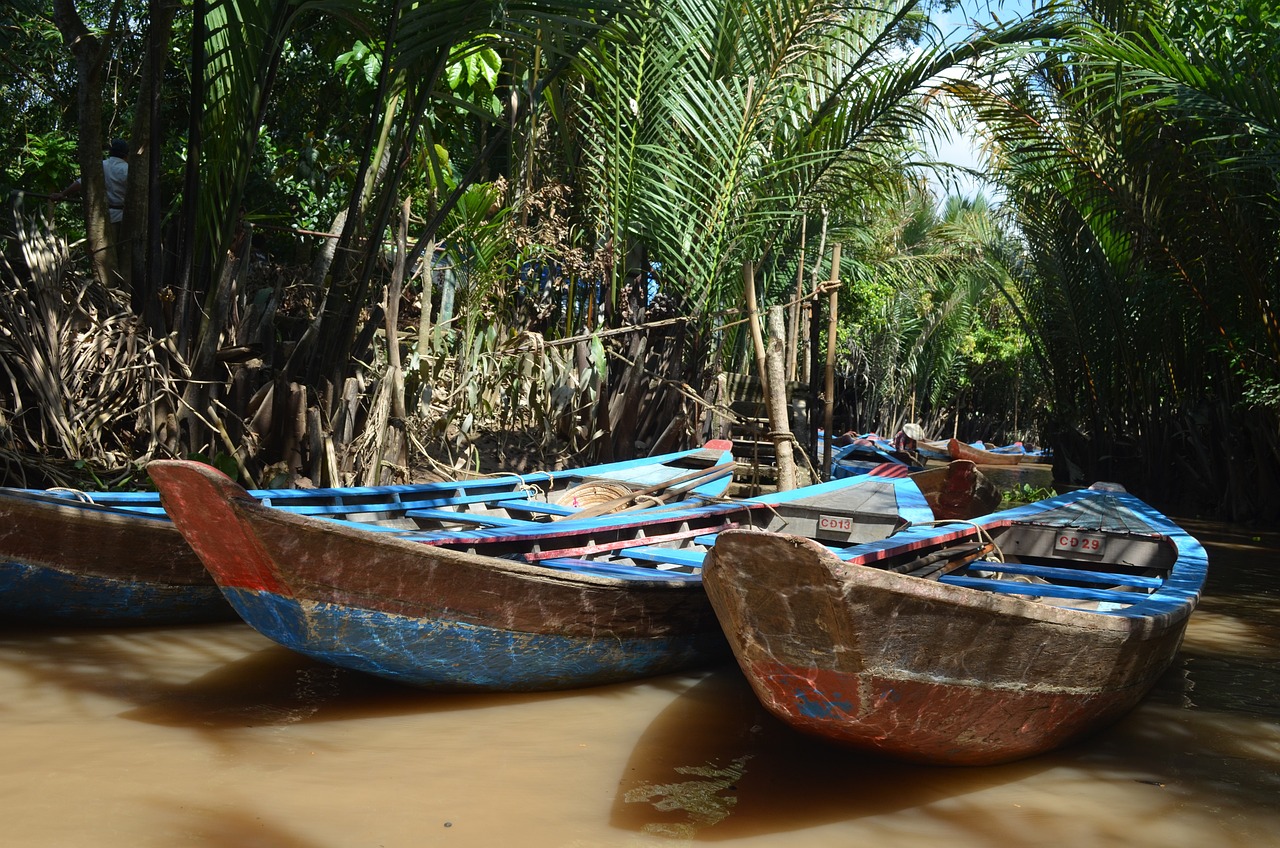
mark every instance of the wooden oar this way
{"type": "Point", "coordinates": [688, 481]}
{"type": "Point", "coordinates": [934, 565]}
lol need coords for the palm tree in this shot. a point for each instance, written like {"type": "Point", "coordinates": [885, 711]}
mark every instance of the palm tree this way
{"type": "Point", "coordinates": [1140, 156]}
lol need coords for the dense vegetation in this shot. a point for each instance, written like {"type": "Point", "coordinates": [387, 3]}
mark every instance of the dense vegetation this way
{"type": "Point", "coordinates": [364, 237]}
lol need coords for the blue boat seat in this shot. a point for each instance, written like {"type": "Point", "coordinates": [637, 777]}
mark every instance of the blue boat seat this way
{"type": "Point", "coordinates": [525, 505]}
{"type": "Point", "coordinates": [1043, 590]}
{"type": "Point", "coordinates": [626, 572]}
{"type": "Point", "coordinates": [1054, 573]}
{"type": "Point", "coordinates": [670, 556]}
{"type": "Point", "coordinates": [465, 517]}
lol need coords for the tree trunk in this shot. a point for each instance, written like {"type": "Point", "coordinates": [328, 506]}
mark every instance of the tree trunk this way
{"type": "Point", "coordinates": [139, 247]}
{"type": "Point", "coordinates": [753, 321]}
{"type": "Point", "coordinates": [90, 54]}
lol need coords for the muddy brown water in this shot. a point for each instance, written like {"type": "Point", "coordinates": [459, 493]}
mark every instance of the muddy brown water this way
{"type": "Point", "coordinates": [214, 736]}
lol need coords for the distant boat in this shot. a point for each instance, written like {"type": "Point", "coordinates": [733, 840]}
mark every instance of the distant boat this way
{"type": "Point", "coordinates": [576, 603]}
{"type": "Point", "coordinates": [931, 449]}
{"type": "Point", "coordinates": [113, 558]}
{"type": "Point", "coordinates": [962, 645]}
{"type": "Point", "coordinates": [861, 455]}
{"type": "Point", "coordinates": [959, 450]}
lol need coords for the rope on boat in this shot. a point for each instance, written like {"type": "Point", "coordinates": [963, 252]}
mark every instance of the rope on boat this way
{"type": "Point", "coordinates": [978, 529]}
{"type": "Point", "coordinates": [79, 494]}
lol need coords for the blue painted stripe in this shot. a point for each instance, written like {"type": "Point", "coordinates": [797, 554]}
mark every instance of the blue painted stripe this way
{"type": "Point", "coordinates": [50, 595]}
{"type": "Point", "coordinates": [454, 655]}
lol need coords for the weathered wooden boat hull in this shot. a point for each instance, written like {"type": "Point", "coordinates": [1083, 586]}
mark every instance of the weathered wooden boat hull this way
{"type": "Point", "coordinates": [113, 558]}
{"type": "Point", "coordinates": [959, 450]}
{"type": "Point", "coordinates": [430, 616]}
{"type": "Point", "coordinates": [929, 672]}
{"type": "Point", "coordinates": [71, 564]}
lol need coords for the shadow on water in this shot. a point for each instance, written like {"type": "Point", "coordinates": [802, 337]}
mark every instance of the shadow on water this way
{"type": "Point", "coordinates": [217, 676]}
{"type": "Point", "coordinates": [715, 765]}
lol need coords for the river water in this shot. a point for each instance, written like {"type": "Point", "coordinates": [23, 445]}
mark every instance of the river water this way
{"type": "Point", "coordinates": [214, 736]}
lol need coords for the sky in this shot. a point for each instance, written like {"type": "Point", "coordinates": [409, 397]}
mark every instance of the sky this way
{"type": "Point", "coordinates": [957, 147]}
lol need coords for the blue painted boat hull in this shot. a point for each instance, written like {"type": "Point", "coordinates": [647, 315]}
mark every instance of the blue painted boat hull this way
{"type": "Point", "coordinates": [53, 596]}
{"type": "Point", "coordinates": [453, 655]}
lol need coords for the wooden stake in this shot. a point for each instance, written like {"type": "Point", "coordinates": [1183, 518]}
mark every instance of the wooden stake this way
{"type": "Point", "coordinates": [753, 318]}
{"type": "Point", "coordinates": [777, 400]}
{"type": "Point", "coordinates": [793, 329]}
{"type": "Point", "coordinates": [832, 326]}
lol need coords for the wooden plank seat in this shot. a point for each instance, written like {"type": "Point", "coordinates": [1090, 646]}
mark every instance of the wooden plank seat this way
{"type": "Point", "coordinates": [521, 504]}
{"type": "Point", "coordinates": [397, 506]}
{"type": "Point", "coordinates": [1055, 573]}
{"type": "Point", "coordinates": [668, 556]}
{"type": "Point", "coordinates": [1043, 590]}
{"type": "Point", "coordinates": [626, 572]}
{"type": "Point", "coordinates": [464, 517]}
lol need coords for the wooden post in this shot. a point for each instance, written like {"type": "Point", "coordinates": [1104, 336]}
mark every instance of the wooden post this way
{"type": "Point", "coordinates": [777, 400]}
{"type": "Point", "coordinates": [812, 337]}
{"type": "Point", "coordinates": [753, 318]}
{"type": "Point", "coordinates": [832, 325]}
{"type": "Point", "coordinates": [793, 329]}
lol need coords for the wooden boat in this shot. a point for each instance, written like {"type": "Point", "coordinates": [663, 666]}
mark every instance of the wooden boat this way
{"type": "Point", "coordinates": [69, 562]}
{"type": "Point", "coordinates": [962, 645]}
{"type": "Point", "coordinates": [932, 449]}
{"type": "Point", "coordinates": [861, 455]}
{"type": "Point", "coordinates": [516, 609]}
{"type": "Point", "coordinates": [959, 450]}
{"type": "Point", "coordinates": [957, 490]}
{"type": "Point", "coordinates": [114, 557]}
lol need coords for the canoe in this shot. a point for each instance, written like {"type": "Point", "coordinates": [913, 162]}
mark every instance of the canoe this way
{"type": "Point", "coordinates": [930, 449]}
{"type": "Point", "coordinates": [113, 558]}
{"type": "Point", "coordinates": [959, 450]}
{"type": "Point", "coordinates": [515, 609]}
{"type": "Point", "coordinates": [962, 645]}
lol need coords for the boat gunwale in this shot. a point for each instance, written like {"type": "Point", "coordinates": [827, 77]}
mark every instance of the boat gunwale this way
{"type": "Point", "coordinates": [1175, 599]}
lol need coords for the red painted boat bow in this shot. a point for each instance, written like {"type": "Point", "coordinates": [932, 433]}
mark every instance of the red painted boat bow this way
{"type": "Point", "coordinates": [201, 501]}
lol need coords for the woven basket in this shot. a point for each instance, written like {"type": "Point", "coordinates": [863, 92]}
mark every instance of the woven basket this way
{"type": "Point", "coordinates": [590, 494]}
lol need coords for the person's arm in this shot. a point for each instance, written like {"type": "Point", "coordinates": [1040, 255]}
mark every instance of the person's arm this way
{"type": "Point", "coordinates": [59, 196]}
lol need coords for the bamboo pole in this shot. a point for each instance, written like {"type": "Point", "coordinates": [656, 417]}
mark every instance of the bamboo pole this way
{"type": "Point", "coordinates": [753, 319]}
{"type": "Point", "coordinates": [832, 325]}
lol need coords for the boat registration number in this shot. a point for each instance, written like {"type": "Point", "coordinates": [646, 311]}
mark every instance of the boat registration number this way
{"type": "Point", "coordinates": [1080, 543]}
{"type": "Point", "coordinates": [835, 523]}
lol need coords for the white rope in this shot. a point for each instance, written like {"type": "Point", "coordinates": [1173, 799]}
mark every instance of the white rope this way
{"type": "Point", "coordinates": [78, 494]}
